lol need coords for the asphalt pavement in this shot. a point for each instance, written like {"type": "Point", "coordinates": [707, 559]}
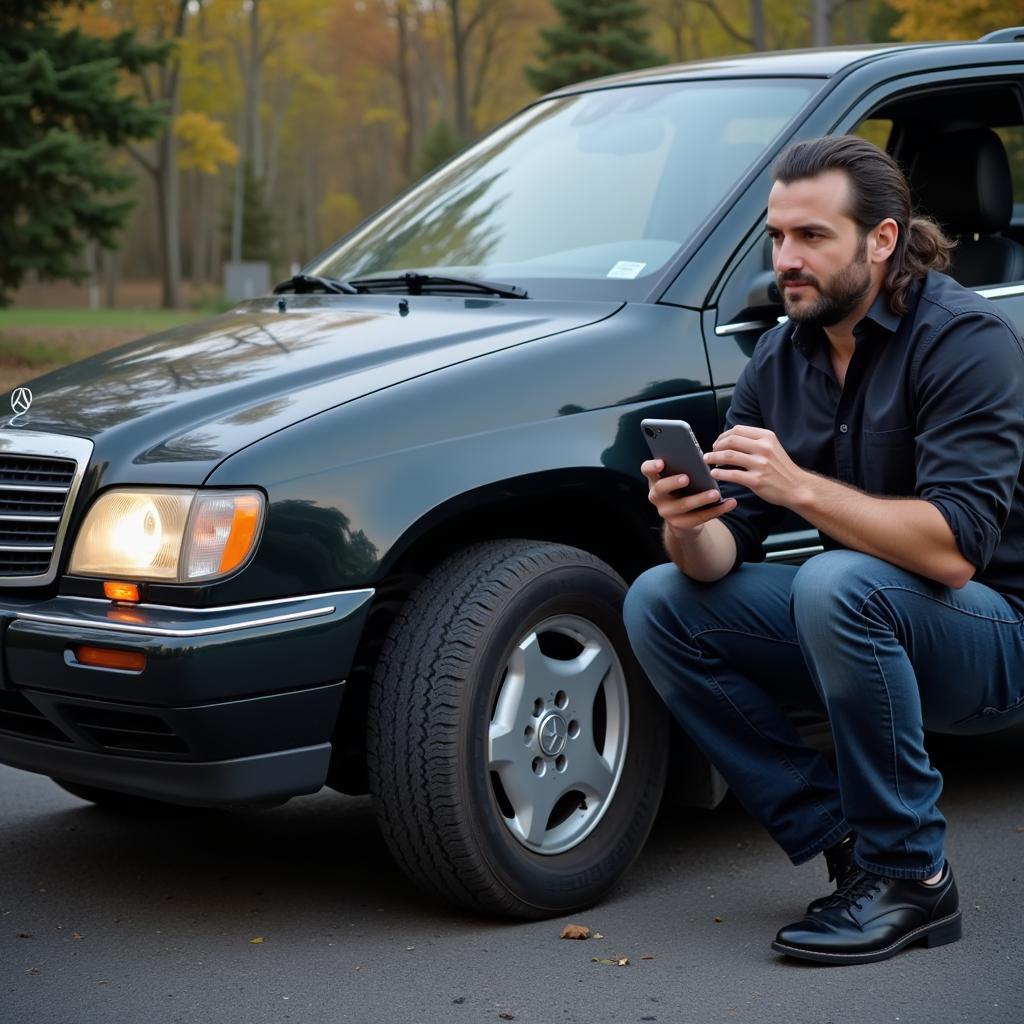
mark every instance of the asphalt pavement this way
{"type": "Point", "coordinates": [297, 915]}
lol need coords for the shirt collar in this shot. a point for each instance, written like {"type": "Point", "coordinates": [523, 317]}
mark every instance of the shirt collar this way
{"type": "Point", "coordinates": [807, 340]}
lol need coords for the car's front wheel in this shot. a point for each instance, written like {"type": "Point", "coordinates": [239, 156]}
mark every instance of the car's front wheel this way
{"type": "Point", "coordinates": [516, 753]}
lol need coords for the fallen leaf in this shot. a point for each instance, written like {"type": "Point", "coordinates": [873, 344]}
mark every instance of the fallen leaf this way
{"type": "Point", "coordinates": [1019, 828]}
{"type": "Point", "coordinates": [597, 935]}
{"type": "Point", "coordinates": [622, 961]}
{"type": "Point", "coordinates": [575, 931]}
{"type": "Point", "coordinates": [647, 958]}
{"type": "Point", "coordinates": [24, 935]}
{"type": "Point", "coordinates": [458, 1000]}
{"type": "Point", "coordinates": [718, 920]}
{"type": "Point", "coordinates": [33, 970]}
{"type": "Point", "coordinates": [256, 941]}
{"type": "Point", "coordinates": [505, 1016]}
{"type": "Point", "coordinates": [619, 961]}
{"type": "Point", "coordinates": [76, 935]}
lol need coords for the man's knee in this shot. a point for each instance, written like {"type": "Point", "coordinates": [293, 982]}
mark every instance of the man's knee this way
{"type": "Point", "coordinates": [831, 587]}
{"type": "Point", "coordinates": [652, 602]}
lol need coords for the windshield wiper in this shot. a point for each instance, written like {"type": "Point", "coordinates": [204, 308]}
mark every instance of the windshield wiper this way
{"type": "Point", "coordinates": [306, 284]}
{"type": "Point", "coordinates": [414, 283]}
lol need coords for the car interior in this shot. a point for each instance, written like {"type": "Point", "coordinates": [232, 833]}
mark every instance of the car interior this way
{"type": "Point", "coordinates": [963, 151]}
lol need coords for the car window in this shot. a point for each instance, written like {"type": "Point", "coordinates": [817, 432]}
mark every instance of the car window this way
{"type": "Point", "coordinates": [604, 185]}
{"type": "Point", "coordinates": [1013, 143]}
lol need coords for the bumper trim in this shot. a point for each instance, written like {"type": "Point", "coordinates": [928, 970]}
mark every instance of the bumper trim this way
{"type": "Point", "coordinates": [122, 627]}
{"type": "Point", "coordinates": [184, 623]}
{"type": "Point", "coordinates": [259, 778]}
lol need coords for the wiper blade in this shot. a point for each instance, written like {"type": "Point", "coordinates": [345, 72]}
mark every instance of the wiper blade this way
{"type": "Point", "coordinates": [306, 284]}
{"type": "Point", "coordinates": [415, 284]}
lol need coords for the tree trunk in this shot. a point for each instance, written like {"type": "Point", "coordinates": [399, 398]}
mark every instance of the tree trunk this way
{"type": "Point", "coordinates": [166, 181]}
{"type": "Point", "coordinates": [200, 228]}
{"type": "Point", "coordinates": [757, 27]}
{"type": "Point", "coordinates": [110, 260]}
{"type": "Point", "coordinates": [462, 121]}
{"type": "Point", "coordinates": [254, 91]}
{"type": "Point", "coordinates": [405, 87]}
{"type": "Point", "coordinates": [821, 18]}
{"type": "Point", "coordinates": [238, 207]}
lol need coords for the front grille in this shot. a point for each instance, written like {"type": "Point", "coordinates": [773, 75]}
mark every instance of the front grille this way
{"type": "Point", "coordinates": [126, 731]}
{"type": "Point", "coordinates": [33, 493]}
{"type": "Point", "coordinates": [22, 718]}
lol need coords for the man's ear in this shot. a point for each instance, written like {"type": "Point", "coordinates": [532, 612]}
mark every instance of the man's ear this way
{"type": "Point", "coordinates": [882, 240]}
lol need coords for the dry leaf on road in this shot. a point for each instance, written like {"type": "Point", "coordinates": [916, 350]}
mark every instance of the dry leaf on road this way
{"type": "Point", "coordinates": [256, 941]}
{"type": "Point", "coordinates": [575, 931]}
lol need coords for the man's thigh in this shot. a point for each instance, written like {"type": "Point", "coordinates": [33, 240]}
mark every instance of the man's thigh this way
{"type": "Point", "coordinates": [967, 650]}
{"type": "Point", "coordinates": [744, 620]}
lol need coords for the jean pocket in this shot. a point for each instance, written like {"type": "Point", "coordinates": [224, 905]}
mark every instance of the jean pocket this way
{"type": "Point", "coordinates": [991, 719]}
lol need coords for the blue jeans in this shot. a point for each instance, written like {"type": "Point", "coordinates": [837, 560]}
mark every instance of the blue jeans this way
{"type": "Point", "coordinates": [885, 654]}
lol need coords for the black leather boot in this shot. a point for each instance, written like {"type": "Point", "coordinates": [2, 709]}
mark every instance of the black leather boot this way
{"type": "Point", "coordinates": [841, 865]}
{"type": "Point", "coordinates": [872, 918]}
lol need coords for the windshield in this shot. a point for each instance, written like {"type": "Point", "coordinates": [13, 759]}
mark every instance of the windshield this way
{"type": "Point", "coordinates": [600, 186]}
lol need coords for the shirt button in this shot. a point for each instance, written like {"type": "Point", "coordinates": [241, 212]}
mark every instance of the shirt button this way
{"type": "Point", "coordinates": [843, 428]}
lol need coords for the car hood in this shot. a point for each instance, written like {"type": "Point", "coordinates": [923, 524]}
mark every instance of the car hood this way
{"type": "Point", "coordinates": [169, 407]}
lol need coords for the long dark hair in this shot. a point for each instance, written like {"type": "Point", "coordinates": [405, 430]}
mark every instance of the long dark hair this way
{"type": "Point", "coordinates": [878, 190]}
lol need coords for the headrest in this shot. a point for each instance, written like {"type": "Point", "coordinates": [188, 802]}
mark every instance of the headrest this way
{"type": "Point", "coordinates": [962, 179]}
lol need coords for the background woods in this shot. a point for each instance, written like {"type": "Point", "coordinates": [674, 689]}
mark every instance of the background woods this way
{"type": "Point", "coordinates": [268, 128]}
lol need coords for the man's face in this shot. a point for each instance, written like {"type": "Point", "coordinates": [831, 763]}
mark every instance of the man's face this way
{"type": "Point", "coordinates": [818, 252]}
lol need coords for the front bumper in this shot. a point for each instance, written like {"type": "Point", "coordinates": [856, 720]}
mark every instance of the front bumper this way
{"type": "Point", "coordinates": [236, 704]}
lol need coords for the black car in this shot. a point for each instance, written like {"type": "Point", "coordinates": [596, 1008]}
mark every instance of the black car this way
{"type": "Point", "coordinates": [374, 531]}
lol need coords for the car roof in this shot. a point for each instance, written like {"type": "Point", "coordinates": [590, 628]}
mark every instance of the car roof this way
{"type": "Point", "coordinates": [818, 63]}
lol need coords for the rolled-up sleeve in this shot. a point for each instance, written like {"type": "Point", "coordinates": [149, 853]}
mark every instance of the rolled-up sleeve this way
{"type": "Point", "coordinates": [753, 518]}
{"type": "Point", "coordinates": [969, 443]}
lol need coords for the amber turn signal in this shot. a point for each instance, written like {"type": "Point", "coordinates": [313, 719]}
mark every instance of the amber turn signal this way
{"type": "Point", "coordinates": [105, 657]}
{"type": "Point", "coordinates": [121, 591]}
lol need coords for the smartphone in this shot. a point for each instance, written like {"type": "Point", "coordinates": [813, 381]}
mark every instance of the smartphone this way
{"type": "Point", "coordinates": [674, 443]}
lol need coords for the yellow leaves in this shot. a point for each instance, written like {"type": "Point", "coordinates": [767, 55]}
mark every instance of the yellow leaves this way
{"type": "Point", "coordinates": [203, 144]}
{"type": "Point", "coordinates": [339, 213]}
{"type": "Point", "coordinates": [952, 19]}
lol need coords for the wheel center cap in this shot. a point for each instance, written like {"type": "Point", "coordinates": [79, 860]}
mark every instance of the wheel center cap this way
{"type": "Point", "coordinates": [552, 734]}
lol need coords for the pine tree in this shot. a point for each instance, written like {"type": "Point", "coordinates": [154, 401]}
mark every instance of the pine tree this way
{"type": "Point", "coordinates": [60, 107]}
{"type": "Point", "coordinates": [440, 145]}
{"type": "Point", "coordinates": [594, 37]}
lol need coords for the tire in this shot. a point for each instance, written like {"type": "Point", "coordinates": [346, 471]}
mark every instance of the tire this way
{"type": "Point", "coordinates": [507, 681]}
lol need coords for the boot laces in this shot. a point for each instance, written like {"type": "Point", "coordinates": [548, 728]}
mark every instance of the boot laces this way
{"type": "Point", "coordinates": [858, 886]}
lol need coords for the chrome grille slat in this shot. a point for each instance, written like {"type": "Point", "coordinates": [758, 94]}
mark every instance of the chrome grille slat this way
{"type": "Point", "coordinates": [34, 488]}
{"type": "Point", "coordinates": [39, 478]}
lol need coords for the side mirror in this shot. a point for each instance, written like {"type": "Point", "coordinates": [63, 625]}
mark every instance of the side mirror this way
{"type": "Point", "coordinates": [764, 293]}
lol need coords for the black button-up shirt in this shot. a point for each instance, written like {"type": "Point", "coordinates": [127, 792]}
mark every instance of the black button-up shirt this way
{"type": "Point", "coordinates": [932, 407]}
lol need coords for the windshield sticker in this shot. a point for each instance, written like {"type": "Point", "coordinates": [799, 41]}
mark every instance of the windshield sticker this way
{"type": "Point", "coordinates": [624, 268]}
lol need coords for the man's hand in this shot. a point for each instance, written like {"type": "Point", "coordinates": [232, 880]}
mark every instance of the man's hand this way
{"type": "Point", "coordinates": [682, 515]}
{"type": "Point", "coordinates": [759, 462]}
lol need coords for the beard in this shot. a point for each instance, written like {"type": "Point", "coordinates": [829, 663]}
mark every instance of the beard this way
{"type": "Point", "coordinates": [837, 298]}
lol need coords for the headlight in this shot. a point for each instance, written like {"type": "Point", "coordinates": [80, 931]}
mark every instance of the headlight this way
{"type": "Point", "coordinates": [177, 536]}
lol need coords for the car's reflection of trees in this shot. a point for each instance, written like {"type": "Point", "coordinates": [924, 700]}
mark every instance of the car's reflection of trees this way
{"type": "Point", "coordinates": [310, 542]}
{"type": "Point", "coordinates": [442, 225]}
{"type": "Point", "coordinates": [127, 383]}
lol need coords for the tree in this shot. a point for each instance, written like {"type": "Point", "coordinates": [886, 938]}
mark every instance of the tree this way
{"type": "Point", "coordinates": [441, 145]}
{"type": "Point", "coordinates": [953, 19]}
{"type": "Point", "coordinates": [594, 37]}
{"type": "Point", "coordinates": [60, 108]}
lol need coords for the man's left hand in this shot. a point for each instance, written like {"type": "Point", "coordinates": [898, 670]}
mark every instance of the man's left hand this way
{"type": "Point", "coordinates": [759, 462]}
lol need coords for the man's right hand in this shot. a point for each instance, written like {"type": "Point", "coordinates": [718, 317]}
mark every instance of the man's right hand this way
{"type": "Point", "coordinates": [684, 516]}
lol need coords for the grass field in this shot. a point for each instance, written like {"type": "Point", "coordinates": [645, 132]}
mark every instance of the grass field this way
{"type": "Point", "coordinates": [35, 341]}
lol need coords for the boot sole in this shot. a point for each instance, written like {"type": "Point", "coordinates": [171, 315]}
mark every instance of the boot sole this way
{"type": "Point", "coordinates": [936, 933]}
